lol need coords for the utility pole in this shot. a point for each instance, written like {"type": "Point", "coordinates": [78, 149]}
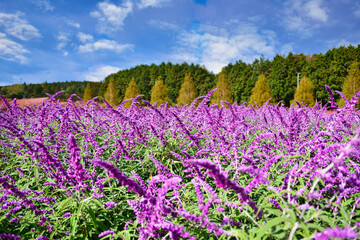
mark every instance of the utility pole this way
{"type": "Point", "coordinates": [298, 74]}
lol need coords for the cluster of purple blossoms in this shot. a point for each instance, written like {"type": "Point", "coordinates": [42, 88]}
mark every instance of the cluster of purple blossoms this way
{"type": "Point", "coordinates": [336, 232]}
{"type": "Point", "coordinates": [231, 154]}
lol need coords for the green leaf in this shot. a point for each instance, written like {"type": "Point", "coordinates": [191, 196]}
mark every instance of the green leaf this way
{"type": "Point", "coordinates": [305, 228]}
{"type": "Point", "coordinates": [92, 215]}
{"type": "Point", "coordinates": [276, 221]}
{"type": "Point", "coordinates": [74, 225]}
{"type": "Point", "coordinates": [64, 203]}
{"type": "Point", "coordinates": [328, 220]}
{"type": "Point", "coordinates": [240, 233]}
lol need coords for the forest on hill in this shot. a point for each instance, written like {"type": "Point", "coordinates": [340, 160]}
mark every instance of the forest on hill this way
{"type": "Point", "coordinates": [239, 79]}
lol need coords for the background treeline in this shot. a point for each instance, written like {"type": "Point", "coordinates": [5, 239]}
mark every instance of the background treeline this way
{"type": "Point", "coordinates": [172, 75]}
{"type": "Point", "coordinates": [31, 90]}
{"type": "Point", "coordinates": [331, 68]}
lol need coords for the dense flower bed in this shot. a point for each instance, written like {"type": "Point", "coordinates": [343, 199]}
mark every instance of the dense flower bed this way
{"type": "Point", "coordinates": [71, 171]}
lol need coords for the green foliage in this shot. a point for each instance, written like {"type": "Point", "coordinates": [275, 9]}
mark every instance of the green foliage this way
{"type": "Point", "coordinates": [131, 92]}
{"type": "Point", "coordinates": [261, 91]}
{"type": "Point", "coordinates": [24, 90]}
{"type": "Point", "coordinates": [223, 91]}
{"type": "Point", "coordinates": [241, 81]}
{"type": "Point", "coordinates": [187, 92]}
{"type": "Point", "coordinates": [173, 75]}
{"type": "Point", "coordinates": [111, 94]}
{"type": "Point", "coordinates": [305, 93]}
{"type": "Point", "coordinates": [159, 92]}
{"type": "Point", "coordinates": [351, 83]}
{"type": "Point", "coordinates": [88, 93]}
{"type": "Point", "coordinates": [283, 76]}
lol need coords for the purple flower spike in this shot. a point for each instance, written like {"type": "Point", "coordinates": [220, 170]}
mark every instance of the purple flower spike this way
{"type": "Point", "coordinates": [67, 214]}
{"type": "Point", "coordinates": [336, 232]}
{"type": "Point", "coordinates": [42, 238]}
{"type": "Point", "coordinates": [114, 172]}
{"type": "Point", "coordinates": [222, 181]}
{"type": "Point", "coordinates": [105, 233]}
{"type": "Point", "coordinates": [110, 205]}
{"type": "Point", "coordinates": [9, 236]}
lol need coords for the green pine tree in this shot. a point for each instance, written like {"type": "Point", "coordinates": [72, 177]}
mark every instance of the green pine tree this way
{"type": "Point", "coordinates": [305, 92]}
{"type": "Point", "coordinates": [187, 91]}
{"type": "Point", "coordinates": [111, 94]}
{"type": "Point", "coordinates": [351, 83]}
{"type": "Point", "coordinates": [223, 91]}
{"type": "Point", "coordinates": [159, 92]}
{"type": "Point", "coordinates": [260, 92]}
{"type": "Point", "coordinates": [132, 91]}
{"type": "Point", "coordinates": [88, 93]}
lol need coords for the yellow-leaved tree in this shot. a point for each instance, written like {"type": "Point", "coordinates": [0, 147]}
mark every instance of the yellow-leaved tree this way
{"type": "Point", "coordinates": [223, 91]}
{"type": "Point", "coordinates": [111, 94]}
{"type": "Point", "coordinates": [305, 92]}
{"type": "Point", "coordinates": [88, 93]}
{"type": "Point", "coordinates": [260, 92]}
{"type": "Point", "coordinates": [132, 91]}
{"type": "Point", "coordinates": [351, 83]}
{"type": "Point", "coordinates": [187, 91]}
{"type": "Point", "coordinates": [159, 92]}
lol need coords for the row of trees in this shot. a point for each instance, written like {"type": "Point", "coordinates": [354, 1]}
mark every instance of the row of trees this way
{"type": "Point", "coordinates": [331, 68]}
{"type": "Point", "coordinates": [160, 93]}
{"type": "Point", "coordinates": [260, 93]}
{"type": "Point", "coordinates": [24, 90]}
{"type": "Point", "coordinates": [304, 93]}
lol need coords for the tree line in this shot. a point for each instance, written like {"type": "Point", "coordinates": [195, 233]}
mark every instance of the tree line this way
{"type": "Point", "coordinates": [21, 91]}
{"type": "Point", "coordinates": [241, 82]}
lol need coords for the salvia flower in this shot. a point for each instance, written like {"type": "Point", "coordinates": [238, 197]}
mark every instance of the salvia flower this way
{"type": "Point", "coordinates": [9, 236]}
{"type": "Point", "coordinates": [109, 205]}
{"type": "Point", "coordinates": [125, 181]}
{"type": "Point", "coordinates": [66, 215]}
{"type": "Point", "coordinates": [222, 181]}
{"type": "Point", "coordinates": [336, 232]}
{"type": "Point", "coordinates": [105, 233]}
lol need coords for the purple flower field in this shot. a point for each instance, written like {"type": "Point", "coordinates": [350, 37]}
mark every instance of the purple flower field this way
{"type": "Point", "coordinates": [84, 171]}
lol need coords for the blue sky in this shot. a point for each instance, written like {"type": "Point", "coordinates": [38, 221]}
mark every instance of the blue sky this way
{"type": "Point", "coordinates": [59, 40]}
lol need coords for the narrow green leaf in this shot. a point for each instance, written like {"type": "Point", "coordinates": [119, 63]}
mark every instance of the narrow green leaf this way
{"type": "Point", "coordinates": [262, 231]}
{"type": "Point", "coordinates": [92, 215]}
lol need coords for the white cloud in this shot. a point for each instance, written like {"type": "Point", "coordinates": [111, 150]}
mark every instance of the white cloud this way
{"type": "Point", "coordinates": [43, 5]}
{"type": "Point", "coordinates": [63, 39]}
{"type": "Point", "coordinates": [315, 11]}
{"type": "Point", "coordinates": [285, 49]}
{"type": "Point", "coordinates": [73, 23]}
{"type": "Point", "coordinates": [12, 51]}
{"type": "Point", "coordinates": [98, 73]}
{"type": "Point", "coordinates": [151, 3]}
{"type": "Point", "coordinates": [61, 45]}
{"type": "Point", "coordinates": [105, 44]}
{"type": "Point", "coordinates": [304, 15]}
{"type": "Point", "coordinates": [341, 42]}
{"type": "Point", "coordinates": [163, 25]}
{"type": "Point", "coordinates": [62, 36]}
{"type": "Point", "coordinates": [216, 47]}
{"type": "Point", "coordinates": [16, 25]}
{"type": "Point", "coordinates": [84, 38]}
{"type": "Point", "coordinates": [110, 16]}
